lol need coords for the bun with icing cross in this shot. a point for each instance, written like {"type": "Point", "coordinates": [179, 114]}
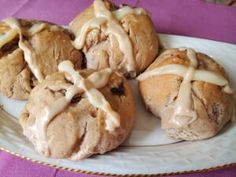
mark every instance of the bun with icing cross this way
{"type": "Point", "coordinates": [122, 38]}
{"type": "Point", "coordinates": [29, 51]}
{"type": "Point", "coordinates": [189, 91]}
{"type": "Point", "coordinates": [75, 114]}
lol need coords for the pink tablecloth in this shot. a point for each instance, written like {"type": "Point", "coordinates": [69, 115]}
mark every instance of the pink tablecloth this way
{"type": "Point", "coordinates": [184, 17]}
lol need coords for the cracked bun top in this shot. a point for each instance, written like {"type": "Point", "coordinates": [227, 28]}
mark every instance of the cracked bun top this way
{"type": "Point", "coordinates": [80, 127]}
{"type": "Point", "coordinates": [122, 38]}
{"type": "Point", "coordinates": [189, 91]}
{"type": "Point", "coordinates": [29, 51]}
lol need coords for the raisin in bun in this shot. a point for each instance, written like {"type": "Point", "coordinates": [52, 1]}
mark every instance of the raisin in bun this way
{"type": "Point", "coordinates": [122, 38]}
{"type": "Point", "coordinates": [189, 91]}
{"type": "Point", "coordinates": [77, 114]}
{"type": "Point", "coordinates": [29, 51]}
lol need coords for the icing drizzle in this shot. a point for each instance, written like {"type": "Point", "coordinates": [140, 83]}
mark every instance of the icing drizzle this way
{"type": "Point", "coordinates": [113, 27]}
{"type": "Point", "coordinates": [89, 86]}
{"type": "Point", "coordinates": [126, 10]}
{"type": "Point", "coordinates": [184, 113]}
{"type": "Point", "coordinates": [29, 54]}
{"type": "Point", "coordinates": [7, 37]}
{"type": "Point", "coordinates": [94, 96]}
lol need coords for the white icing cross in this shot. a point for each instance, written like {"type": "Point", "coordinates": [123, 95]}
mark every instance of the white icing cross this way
{"type": "Point", "coordinates": [181, 70]}
{"type": "Point", "coordinates": [96, 80]}
{"type": "Point", "coordinates": [29, 54]}
{"type": "Point", "coordinates": [103, 15]}
{"type": "Point", "coordinates": [184, 113]}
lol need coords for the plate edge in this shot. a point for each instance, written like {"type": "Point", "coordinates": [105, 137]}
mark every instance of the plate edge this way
{"type": "Point", "coordinates": [204, 170]}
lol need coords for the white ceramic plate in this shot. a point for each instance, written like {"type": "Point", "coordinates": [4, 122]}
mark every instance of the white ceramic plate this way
{"type": "Point", "coordinates": [148, 150]}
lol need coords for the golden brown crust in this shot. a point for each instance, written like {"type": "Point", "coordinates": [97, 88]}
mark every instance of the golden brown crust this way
{"type": "Point", "coordinates": [80, 128]}
{"type": "Point", "coordinates": [213, 106]}
{"type": "Point", "coordinates": [50, 46]}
